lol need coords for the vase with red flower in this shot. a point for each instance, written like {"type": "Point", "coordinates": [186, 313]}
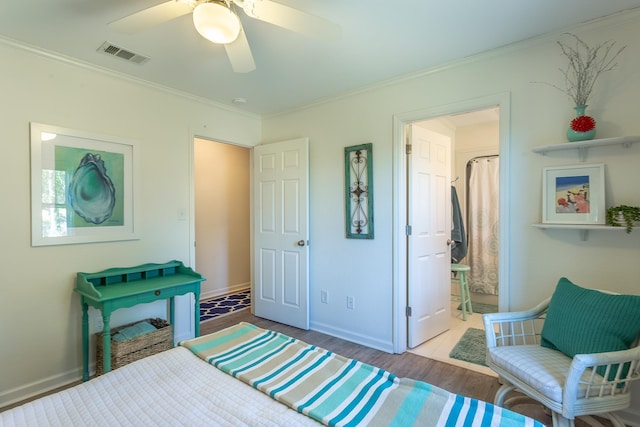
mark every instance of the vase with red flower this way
{"type": "Point", "coordinates": [583, 127]}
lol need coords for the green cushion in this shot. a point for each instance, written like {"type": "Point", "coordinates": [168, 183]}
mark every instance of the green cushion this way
{"type": "Point", "coordinates": [582, 321]}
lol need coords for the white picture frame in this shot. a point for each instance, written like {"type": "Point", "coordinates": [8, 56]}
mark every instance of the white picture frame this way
{"type": "Point", "coordinates": [573, 194]}
{"type": "Point", "coordinates": [84, 186]}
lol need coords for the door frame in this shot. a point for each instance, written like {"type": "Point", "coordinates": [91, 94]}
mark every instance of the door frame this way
{"type": "Point", "coordinates": [501, 100]}
{"type": "Point", "coordinates": [191, 217]}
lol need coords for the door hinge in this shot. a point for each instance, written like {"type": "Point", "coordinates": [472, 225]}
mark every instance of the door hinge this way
{"type": "Point", "coordinates": [407, 230]}
{"type": "Point", "coordinates": [408, 149]}
{"type": "Point", "coordinates": [408, 311]}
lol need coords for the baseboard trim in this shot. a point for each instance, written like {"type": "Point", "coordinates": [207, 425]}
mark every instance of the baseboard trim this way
{"type": "Point", "coordinates": [228, 290]}
{"type": "Point", "coordinates": [35, 389]}
{"type": "Point", "coordinates": [350, 336]}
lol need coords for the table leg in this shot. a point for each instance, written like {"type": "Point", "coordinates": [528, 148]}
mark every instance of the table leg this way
{"type": "Point", "coordinates": [172, 312]}
{"type": "Point", "coordinates": [196, 312]}
{"type": "Point", "coordinates": [106, 342]}
{"type": "Point", "coordinates": [85, 341]}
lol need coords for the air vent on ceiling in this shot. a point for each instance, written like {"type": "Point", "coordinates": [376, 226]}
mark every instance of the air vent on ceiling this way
{"type": "Point", "coordinates": [113, 50]}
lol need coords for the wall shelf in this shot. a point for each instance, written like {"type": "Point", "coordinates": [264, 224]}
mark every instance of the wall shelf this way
{"type": "Point", "coordinates": [583, 146]}
{"type": "Point", "coordinates": [583, 149]}
{"type": "Point", "coordinates": [582, 228]}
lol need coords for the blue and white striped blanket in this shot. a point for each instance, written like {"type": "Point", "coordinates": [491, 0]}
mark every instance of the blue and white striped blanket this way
{"type": "Point", "coordinates": [337, 391]}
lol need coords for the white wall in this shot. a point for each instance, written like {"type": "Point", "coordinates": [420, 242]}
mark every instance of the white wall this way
{"type": "Point", "coordinates": [539, 116]}
{"type": "Point", "coordinates": [39, 313]}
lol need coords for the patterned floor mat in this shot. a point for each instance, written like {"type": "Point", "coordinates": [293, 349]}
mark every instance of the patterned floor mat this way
{"type": "Point", "coordinates": [219, 306]}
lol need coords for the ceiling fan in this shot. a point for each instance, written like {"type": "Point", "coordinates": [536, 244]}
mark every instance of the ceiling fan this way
{"type": "Point", "coordinates": [218, 21]}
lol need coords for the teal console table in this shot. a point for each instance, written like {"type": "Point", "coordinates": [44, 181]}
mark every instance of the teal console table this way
{"type": "Point", "coordinates": [116, 288]}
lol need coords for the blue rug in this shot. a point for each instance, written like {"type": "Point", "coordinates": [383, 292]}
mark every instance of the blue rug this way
{"type": "Point", "coordinates": [225, 304]}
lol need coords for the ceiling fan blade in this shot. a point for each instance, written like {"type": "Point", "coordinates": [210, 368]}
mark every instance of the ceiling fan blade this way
{"type": "Point", "coordinates": [152, 16]}
{"type": "Point", "coordinates": [294, 20]}
{"type": "Point", "coordinates": [239, 54]}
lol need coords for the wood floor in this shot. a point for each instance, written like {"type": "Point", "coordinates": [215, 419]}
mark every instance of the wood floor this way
{"type": "Point", "coordinates": [452, 378]}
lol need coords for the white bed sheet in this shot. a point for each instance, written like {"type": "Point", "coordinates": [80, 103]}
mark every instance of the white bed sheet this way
{"type": "Point", "coordinates": [172, 388]}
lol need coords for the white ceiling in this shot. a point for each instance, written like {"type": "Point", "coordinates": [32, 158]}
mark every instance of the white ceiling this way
{"type": "Point", "coordinates": [380, 40]}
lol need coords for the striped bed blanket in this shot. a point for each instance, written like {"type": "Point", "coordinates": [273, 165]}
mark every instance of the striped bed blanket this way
{"type": "Point", "coordinates": [338, 391]}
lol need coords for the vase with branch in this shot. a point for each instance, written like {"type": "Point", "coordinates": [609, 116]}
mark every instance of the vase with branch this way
{"type": "Point", "coordinates": [585, 65]}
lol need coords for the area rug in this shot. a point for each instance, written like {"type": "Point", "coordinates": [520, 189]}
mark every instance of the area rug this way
{"type": "Point", "coordinates": [225, 304]}
{"type": "Point", "coordinates": [482, 308]}
{"type": "Point", "coordinates": [471, 347]}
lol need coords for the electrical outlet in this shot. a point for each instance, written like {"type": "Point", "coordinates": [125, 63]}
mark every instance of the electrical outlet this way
{"type": "Point", "coordinates": [98, 324]}
{"type": "Point", "coordinates": [351, 303]}
{"type": "Point", "coordinates": [324, 296]}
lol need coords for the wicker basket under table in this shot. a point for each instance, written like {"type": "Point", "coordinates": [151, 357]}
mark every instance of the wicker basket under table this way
{"type": "Point", "coordinates": [127, 351]}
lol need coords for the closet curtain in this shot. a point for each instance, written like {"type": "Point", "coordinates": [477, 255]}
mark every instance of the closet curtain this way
{"type": "Point", "coordinates": [483, 224]}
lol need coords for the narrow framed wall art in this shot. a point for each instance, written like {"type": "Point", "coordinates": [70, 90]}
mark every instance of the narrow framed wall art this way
{"type": "Point", "coordinates": [358, 173]}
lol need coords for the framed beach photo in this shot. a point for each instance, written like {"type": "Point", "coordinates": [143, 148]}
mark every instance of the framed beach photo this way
{"type": "Point", "coordinates": [573, 194]}
{"type": "Point", "coordinates": [83, 187]}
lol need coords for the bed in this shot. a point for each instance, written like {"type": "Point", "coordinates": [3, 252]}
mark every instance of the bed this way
{"type": "Point", "coordinates": [248, 376]}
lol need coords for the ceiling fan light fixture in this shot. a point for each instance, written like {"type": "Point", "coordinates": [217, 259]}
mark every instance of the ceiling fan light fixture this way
{"type": "Point", "coordinates": [216, 22]}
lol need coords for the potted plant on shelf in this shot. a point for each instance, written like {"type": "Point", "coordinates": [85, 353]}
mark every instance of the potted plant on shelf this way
{"type": "Point", "coordinates": [626, 215]}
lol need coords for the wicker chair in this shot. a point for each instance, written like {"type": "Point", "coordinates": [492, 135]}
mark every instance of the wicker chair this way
{"type": "Point", "coordinates": [568, 387]}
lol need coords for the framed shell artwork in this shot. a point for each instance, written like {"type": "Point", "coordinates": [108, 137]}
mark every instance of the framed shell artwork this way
{"type": "Point", "coordinates": [83, 187]}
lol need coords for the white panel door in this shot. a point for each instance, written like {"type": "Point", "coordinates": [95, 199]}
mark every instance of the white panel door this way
{"type": "Point", "coordinates": [429, 210]}
{"type": "Point", "coordinates": [281, 216]}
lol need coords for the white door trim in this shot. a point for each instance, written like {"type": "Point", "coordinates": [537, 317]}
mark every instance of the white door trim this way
{"type": "Point", "coordinates": [400, 121]}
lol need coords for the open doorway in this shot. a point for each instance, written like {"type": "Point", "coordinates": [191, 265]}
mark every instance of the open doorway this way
{"type": "Point", "coordinates": [476, 159]}
{"type": "Point", "coordinates": [222, 216]}
{"type": "Point", "coordinates": [495, 103]}
{"type": "Point", "coordinates": [472, 171]}
{"type": "Point", "coordinates": [475, 188]}
{"type": "Point", "coordinates": [475, 178]}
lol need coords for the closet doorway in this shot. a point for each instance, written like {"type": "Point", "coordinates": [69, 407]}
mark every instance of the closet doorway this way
{"type": "Point", "coordinates": [222, 216]}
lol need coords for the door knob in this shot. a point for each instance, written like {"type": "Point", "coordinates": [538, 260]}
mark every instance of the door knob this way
{"type": "Point", "coordinates": [449, 242]}
{"type": "Point", "coordinates": [300, 242]}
